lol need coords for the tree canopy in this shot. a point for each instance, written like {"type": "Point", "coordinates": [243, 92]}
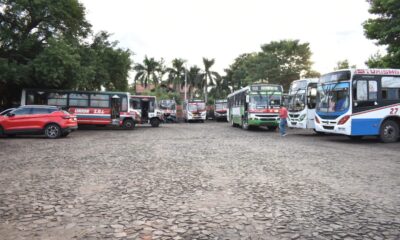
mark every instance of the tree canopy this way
{"type": "Point", "coordinates": [48, 44]}
{"type": "Point", "coordinates": [385, 28]}
{"type": "Point", "coordinates": [278, 62]}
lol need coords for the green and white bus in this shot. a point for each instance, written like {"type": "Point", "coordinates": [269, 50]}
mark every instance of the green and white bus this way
{"type": "Point", "coordinates": [255, 105]}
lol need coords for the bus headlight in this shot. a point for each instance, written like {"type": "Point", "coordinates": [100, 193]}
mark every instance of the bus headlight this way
{"type": "Point", "coordinates": [302, 117]}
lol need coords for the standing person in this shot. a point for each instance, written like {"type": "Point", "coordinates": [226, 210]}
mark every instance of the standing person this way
{"type": "Point", "coordinates": [283, 115]}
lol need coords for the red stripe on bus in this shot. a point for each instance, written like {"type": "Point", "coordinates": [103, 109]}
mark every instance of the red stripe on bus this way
{"type": "Point", "coordinates": [376, 109]}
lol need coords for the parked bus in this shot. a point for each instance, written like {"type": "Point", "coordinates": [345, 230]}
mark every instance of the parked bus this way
{"type": "Point", "coordinates": [146, 106]}
{"type": "Point", "coordinates": [220, 109]}
{"type": "Point", "coordinates": [301, 103]}
{"type": "Point", "coordinates": [168, 109]}
{"type": "Point", "coordinates": [255, 105]}
{"type": "Point", "coordinates": [90, 108]}
{"type": "Point", "coordinates": [194, 110]}
{"type": "Point", "coordinates": [360, 102]}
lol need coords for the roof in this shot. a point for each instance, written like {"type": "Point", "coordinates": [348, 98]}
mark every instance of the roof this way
{"type": "Point", "coordinates": [38, 106]}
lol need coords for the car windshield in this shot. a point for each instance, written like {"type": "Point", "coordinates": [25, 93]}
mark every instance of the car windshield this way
{"type": "Point", "coordinates": [196, 106]}
{"type": "Point", "coordinates": [297, 100]}
{"type": "Point", "coordinates": [333, 97]}
{"type": "Point", "coordinates": [220, 106]}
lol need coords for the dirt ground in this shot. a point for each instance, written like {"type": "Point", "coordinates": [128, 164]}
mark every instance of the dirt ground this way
{"type": "Point", "coordinates": [198, 181]}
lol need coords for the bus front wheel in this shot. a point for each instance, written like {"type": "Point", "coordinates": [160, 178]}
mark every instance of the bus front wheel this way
{"type": "Point", "coordinates": [245, 124]}
{"type": "Point", "coordinates": [389, 131]}
{"type": "Point", "coordinates": [154, 122]}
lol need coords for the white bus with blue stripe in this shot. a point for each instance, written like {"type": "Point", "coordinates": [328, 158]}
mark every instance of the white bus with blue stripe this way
{"type": "Point", "coordinates": [359, 102]}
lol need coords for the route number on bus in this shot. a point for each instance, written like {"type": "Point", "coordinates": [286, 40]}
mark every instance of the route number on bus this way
{"type": "Point", "coordinates": [393, 111]}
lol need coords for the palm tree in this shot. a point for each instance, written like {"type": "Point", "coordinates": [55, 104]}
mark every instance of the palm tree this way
{"type": "Point", "coordinates": [176, 74]}
{"type": "Point", "coordinates": [161, 70]}
{"type": "Point", "coordinates": [208, 76]}
{"type": "Point", "coordinates": [146, 72]}
{"type": "Point", "coordinates": [194, 80]}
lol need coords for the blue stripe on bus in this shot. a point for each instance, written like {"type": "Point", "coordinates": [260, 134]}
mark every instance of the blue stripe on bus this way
{"type": "Point", "coordinates": [367, 126]}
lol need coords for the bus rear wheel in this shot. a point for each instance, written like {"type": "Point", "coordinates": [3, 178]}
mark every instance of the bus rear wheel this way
{"type": "Point", "coordinates": [389, 132]}
{"type": "Point", "coordinates": [128, 124]}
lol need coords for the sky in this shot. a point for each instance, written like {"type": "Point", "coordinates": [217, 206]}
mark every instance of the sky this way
{"type": "Point", "coordinates": [224, 29]}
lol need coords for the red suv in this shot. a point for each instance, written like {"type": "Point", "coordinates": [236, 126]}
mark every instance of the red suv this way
{"type": "Point", "coordinates": [48, 120]}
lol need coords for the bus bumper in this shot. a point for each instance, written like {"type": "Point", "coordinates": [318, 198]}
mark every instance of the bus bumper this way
{"type": "Point", "coordinates": [268, 123]}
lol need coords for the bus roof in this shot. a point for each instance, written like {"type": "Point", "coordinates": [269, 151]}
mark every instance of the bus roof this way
{"type": "Point", "coordinates": [247, 88]}
{"type": "Point", "coordinates": [141, 96]}
{"type": "Point", "coordinates": [377, 71]}
{"type": "Point", "coordinates": [73, 91]}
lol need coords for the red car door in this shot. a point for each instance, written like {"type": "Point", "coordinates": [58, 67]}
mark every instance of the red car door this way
{"type": "Point", "coordinates": [39, 117]}
{"type": "Point", "coordinates": [19, 119]}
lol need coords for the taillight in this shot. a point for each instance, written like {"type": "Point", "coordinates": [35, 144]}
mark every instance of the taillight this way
{"type": "Point", "coordinates": [343, 120]}
{"type": "Point", "coordinates": [317, 119]}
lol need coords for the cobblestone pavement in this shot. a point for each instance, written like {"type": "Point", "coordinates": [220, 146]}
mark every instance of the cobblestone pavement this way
{"type": "Point", "coordinates": [198, 181]}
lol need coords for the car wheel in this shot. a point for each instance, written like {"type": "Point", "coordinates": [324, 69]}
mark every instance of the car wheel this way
{"type": "Point", "coordinates": [128, 124]}
{"type": "Point", "coordinates": [1, 131]}
{"type": "Point", "coordinates": [155, 122]}
{"type": "Point", "coordinates": [52, 131]}
{"type": "Point", "coordinates": [389, 131]}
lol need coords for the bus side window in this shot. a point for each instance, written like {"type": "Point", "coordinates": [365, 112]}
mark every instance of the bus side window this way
{"type": "Point", "coordinates": [365, 93]}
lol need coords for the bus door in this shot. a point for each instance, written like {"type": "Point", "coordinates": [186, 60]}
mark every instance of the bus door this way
{"type": "Point", "coordinates": [145, 107]}
{"type": "Point", "coordinates": [311, 104]}
{"type": "Point", "coordinates": [115, 109]}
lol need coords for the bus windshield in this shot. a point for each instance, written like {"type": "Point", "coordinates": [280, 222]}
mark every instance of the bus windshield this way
{"type": "Point", "coordinates": [167, 105]}
{"type": "Point", "coordinates": [197, 106]}
{"type": "Point", "coordinates": [297, 100]}
{"type": "Point", "coordinates": [262, 101]}
{"type": "Point", "coordinates": [297, 95]}
{"type": "Point", "coordinates": [333, 97]}
{"type": "Point", "coordinates": [220, 106]}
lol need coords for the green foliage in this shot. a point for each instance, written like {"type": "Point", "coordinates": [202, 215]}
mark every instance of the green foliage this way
{"type": "Point", "coordinates": [163, 94]}
{"type": "Point", "coordinates": [385, 28]}
{"type": "Point", "coordinates": [278, 62]}
{"type": "Point", "coordinates": [208, 77]}
{"type": "Point", "coordinates": [344, 65]}
{"type": "Point", "coordinates": [42, 46]}
{"type": "Point", "coordinates": [146, 72]}
{"type": "Point", "coordinates": [176, 74]}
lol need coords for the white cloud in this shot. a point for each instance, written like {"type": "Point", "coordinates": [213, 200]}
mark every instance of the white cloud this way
{"type": "Point", "coordinates": [224, 29]}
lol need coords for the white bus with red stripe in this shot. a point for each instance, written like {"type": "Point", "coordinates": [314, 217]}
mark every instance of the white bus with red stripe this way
{"type": "Point", "coordinates": [91, 108]}
{"type": "Point", "coordinates": [194, 110]}
{"type": "Point", "coordinates": [360, 102]}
